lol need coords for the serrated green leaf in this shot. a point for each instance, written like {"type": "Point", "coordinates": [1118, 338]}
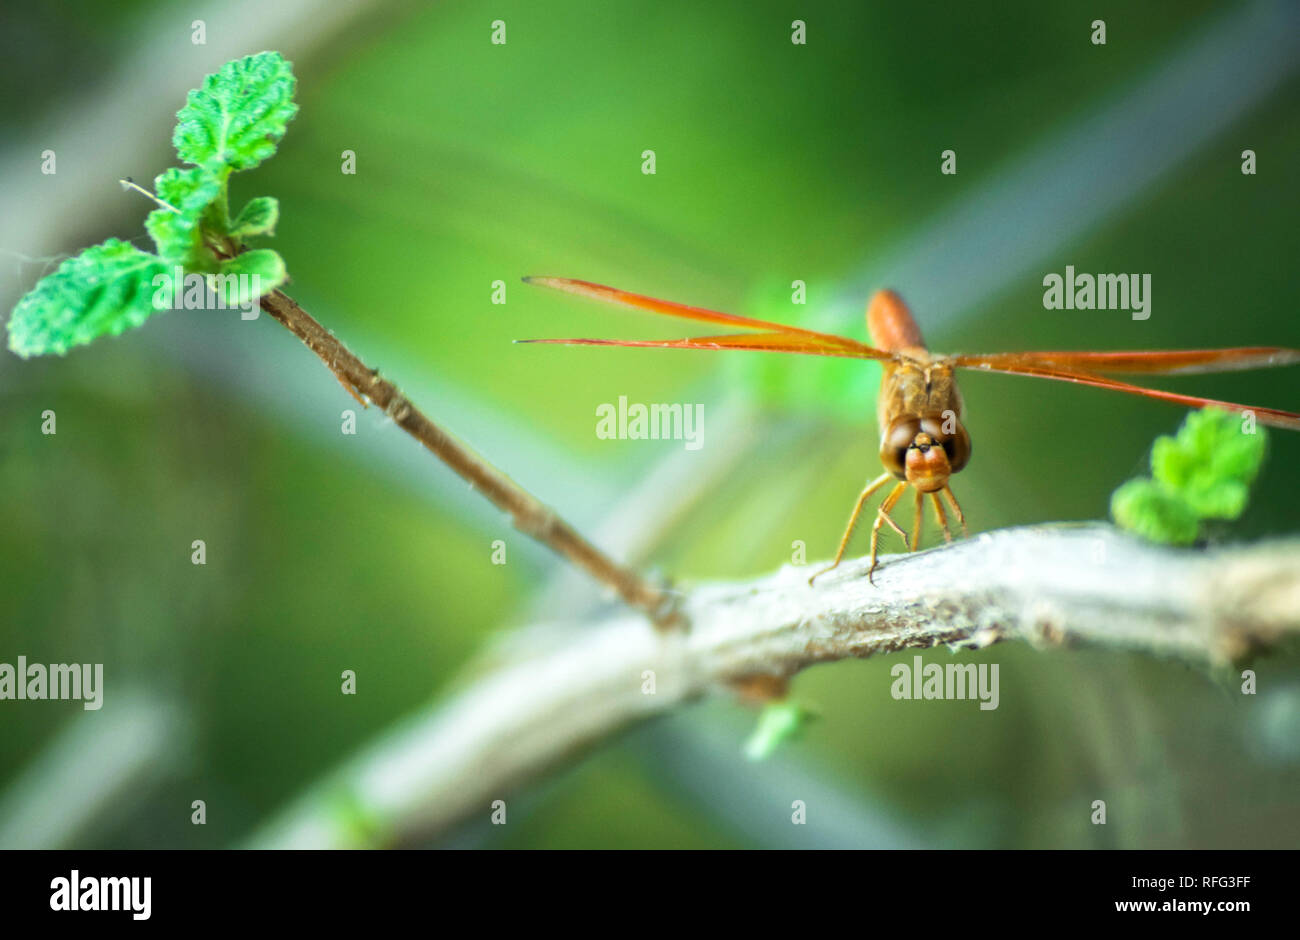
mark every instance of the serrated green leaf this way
{"type": "Point", "coordinates": [1150, 510]}
{"type": "Point", "coordinates": [232, 123]}
{"type": "Point", "coordinates": [258, 217]}
{"type": "Point", "coordinates": [240, 113]}
{"type": "Point", "coordinates": [104, 290]}
{"type": "Point", "coordinates": [248, 276]}
{"type": "Point", "coordinates": [195, 193]}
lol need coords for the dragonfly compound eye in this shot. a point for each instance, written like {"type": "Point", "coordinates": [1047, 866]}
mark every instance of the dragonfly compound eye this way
{"type": "Point", "coordinates": [895, 443]}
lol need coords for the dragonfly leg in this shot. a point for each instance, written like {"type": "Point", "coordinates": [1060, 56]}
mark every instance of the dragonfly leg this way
{"type": "Point", "coordinates": [920, 516]}
{"type": "Point", "coordinates": [941, 516]}
{"type": "Point", "coordinates": [870, 488]}
{"type": "Point", "coordinates": [886, 507]}
{"type": "Point", "coordinates": [947, 491]}
{"type": "Point", "coordinates": [882, 516]}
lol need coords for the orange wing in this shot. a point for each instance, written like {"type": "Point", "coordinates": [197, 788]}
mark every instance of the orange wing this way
{"type": "Point", "coordinates": [758, 342]}
{"type": "Point", "coordinates": [776, 337]}
{"type": "Point", "coordinates": [1077, 367]}
{"type": "Point", "coordinates": [1047, 370]}
{"type": "Point", "coordinates": [1168, 362]}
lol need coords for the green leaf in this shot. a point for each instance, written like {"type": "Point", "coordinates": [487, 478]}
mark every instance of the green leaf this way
{"type": "Point", "coordinates": [256, 218]}
{"type": "Point", "coordinates": [1222, 499]}
{"type": "Point", "coordinates": [1211, 462]}
{"type": "Point", "coordinates": [248, 276]}
{"type": "Point", "coordinates": [779, 722]}
{"type": "Point", "coordinates": [196, 194]}
{"type": "Point", "coordinates": [240, 113]}
{"type": "Point", "coordinates": [104, 290]}
{"type": "Point", "coordinates": [1202, 472]}
{"type": "Point", "coordinates": [1150, 510]}
{"type": "Point", "coordinates": [232, 123]}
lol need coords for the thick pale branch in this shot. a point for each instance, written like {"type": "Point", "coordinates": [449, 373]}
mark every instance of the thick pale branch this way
{"type": "Point", "coordinates": [1048, 585]}
{"type": "Point", "coordinates": [528, 514]}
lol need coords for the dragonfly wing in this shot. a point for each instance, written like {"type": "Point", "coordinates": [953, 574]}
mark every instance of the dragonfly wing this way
{"type": "Point", "coordinates": [817, 343]}
{"type": "Point", "coordinates": [760, 342]}
{"type": "Point", "coordinates": [1270, 416]}
{"type": "Point", "coordinates": [1166, 362]}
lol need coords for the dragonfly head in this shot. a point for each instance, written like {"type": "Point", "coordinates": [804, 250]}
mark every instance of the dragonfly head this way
{"type": "Point", "coordinates": [926, 464]}
{"type": "Point", "coordinates": [926, 451]}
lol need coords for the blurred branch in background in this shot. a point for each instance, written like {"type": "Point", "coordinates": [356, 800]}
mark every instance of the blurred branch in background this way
{"type": "Point", "coordinates": [97, 767]}
{"type": "Point", "coordinates": [1049, 198]}
{"type": "Point", "coordinates": [690, 750]}
{"type": "Point", "coordinates": [653, 507]}
{"type": "Point", "coordinates": [1048, 585]}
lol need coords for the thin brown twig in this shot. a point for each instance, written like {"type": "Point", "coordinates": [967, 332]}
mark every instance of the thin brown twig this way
{"type": "Point", "coordinates": [528, 514]}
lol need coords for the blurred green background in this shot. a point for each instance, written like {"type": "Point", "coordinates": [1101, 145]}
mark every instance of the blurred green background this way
{"type": "Point", "coordinates": [775, 162]}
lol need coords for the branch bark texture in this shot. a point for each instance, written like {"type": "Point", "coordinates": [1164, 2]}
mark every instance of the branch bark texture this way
{"type": "Point", "coordinates": [1050, 586]}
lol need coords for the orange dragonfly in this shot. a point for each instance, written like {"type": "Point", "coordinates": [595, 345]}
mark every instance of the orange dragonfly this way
{"type": "Point", "coordinates": [923, 437]}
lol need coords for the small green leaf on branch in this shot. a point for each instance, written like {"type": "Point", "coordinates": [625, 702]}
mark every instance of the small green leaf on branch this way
{"type": "Point", "coordinates": [179, 235]}
{"type": "Point", "coordinates": [102, 291]}
{"type": "Point", "coordinates": [248, 276]}
{"type": "Point", "coordinates": [258, 217]}
{"type": "Point", "coordinates": [777, 723]}
{"type": "Point", "coordinates": [240, 113]}
{"type": "Point", "coordinates": [1203, 472]}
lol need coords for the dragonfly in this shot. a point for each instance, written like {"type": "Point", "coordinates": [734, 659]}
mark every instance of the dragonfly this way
{"type": "Point", "coordinates": [920, 412]}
